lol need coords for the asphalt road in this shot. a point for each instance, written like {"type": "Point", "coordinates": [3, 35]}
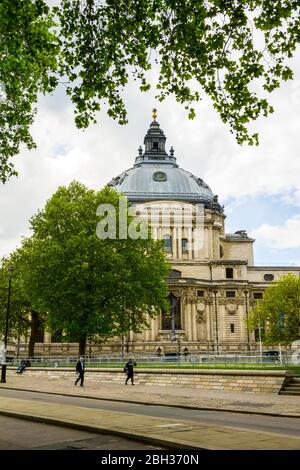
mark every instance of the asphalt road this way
{"type": "Point", "coordinates": [281, 425]}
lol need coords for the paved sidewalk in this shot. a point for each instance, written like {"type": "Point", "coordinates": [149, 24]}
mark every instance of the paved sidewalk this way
{"type": "Point", "coordinates": [273, 404]}
{"type": "Point", "coordinates": [165, 432]}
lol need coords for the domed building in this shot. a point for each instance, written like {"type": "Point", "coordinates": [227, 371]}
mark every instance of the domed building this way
{"type": "Point", "coordinates": [213, 281]}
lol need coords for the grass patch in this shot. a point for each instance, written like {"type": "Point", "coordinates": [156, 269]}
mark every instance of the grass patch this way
{"type": "Point", "coordinates": [234, 366]}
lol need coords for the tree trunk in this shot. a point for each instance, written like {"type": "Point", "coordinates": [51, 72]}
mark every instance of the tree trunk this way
{"type": "Point", "coordinates": [34, 326]}
{"type": "Point", "coordinates": [82, 346]}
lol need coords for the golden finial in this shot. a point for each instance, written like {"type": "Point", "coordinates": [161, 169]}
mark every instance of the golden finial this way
{"type": "Point", "coordinates": [154, 114]}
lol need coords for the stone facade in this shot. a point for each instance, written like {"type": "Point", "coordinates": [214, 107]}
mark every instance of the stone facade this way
{"type": "Point", "coordinates": [214, 281]}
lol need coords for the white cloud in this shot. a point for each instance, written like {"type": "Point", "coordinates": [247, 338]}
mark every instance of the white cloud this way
{"type": "Point", "coordinates": [279, 236]}
{"type": "Point", "coordinates": [203, 146]}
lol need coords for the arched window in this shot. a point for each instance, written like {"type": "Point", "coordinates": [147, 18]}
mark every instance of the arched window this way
{"type": "Point", "coordinates": [168, 243]}
{"type": "Point", "coordinates": [174, 310]}
{"type": "Point", "coordinates": [174, 273]}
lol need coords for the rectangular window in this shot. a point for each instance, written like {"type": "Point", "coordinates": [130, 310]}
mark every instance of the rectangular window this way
{"type": "Point", "coordinates": [229, 273]}
{"type": "Point", "coordinates": [231, 327]}
{"type": "Point", "coordinates": [230, 293]}
{"type": "Point", "coordinates": [184, 245]}
{"type": "Point", "coordinates": [155, 145]}
{"type": "Point", "coordinates": [168, 243]}
{"type": "Point", "coordinates": [200, 293]}
{"type": "Point", "coordinates": [257, 295]}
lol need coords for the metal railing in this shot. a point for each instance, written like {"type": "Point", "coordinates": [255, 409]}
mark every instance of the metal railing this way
{"type": "Point", "coordinates": [190, 360]}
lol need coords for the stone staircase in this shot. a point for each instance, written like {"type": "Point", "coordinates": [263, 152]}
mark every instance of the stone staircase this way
{"type": "Point", "coordinates": [291, 387]}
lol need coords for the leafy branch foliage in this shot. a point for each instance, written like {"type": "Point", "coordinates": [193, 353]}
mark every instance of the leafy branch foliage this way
{"type": "Point", "coordinates": [22, 316]}
{"type": "Point", "coordinates": [278, 313]}
{"type": "Point", "coordinates": [28, 59]}
{"type": "Point", "coordinates": [231, 50]}
{"type": "Point", "coordinates": [90, 287]}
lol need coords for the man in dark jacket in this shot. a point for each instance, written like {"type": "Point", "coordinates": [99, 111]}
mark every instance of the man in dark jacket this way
{"type": "Point", "coordinates": [128, 369]}
{"type": "Point", "coordinates": [80, 371]}
{"type": "Point", "coordinates": [21, 367]}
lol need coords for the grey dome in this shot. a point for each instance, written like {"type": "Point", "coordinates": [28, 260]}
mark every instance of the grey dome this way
{"type": "Point", "coordinates": [156, 176]}
{"type": "Point", "coordinates": [138, 184]}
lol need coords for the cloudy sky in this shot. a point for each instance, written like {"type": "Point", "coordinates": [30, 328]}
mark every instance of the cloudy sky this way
{"type": "Point", "coordinates": [260, 187]}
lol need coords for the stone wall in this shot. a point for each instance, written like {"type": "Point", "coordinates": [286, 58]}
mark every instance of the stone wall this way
{"type": "Point", "coordinates": [213, 379]}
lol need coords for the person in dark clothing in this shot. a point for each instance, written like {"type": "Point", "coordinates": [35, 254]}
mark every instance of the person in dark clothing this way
{"type": "Point", "coordinates": [21, 367]}
{"type": "Point", "coordinates": [128, 369]}
{"type": "Point", "coordinates": [80, 371]}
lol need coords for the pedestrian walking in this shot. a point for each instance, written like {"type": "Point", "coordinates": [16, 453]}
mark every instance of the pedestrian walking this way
{"type": "Point", "coordinates": [80, 371]}
{"type": "Point", "coordinates": [128, 369]}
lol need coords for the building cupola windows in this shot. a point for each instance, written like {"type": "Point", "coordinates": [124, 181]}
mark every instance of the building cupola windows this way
{"type": "Point", "coordinates": [168, 243]}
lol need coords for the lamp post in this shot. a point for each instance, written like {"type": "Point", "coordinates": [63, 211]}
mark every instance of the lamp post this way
{"type": "Point", "coordinates": [247, 318]}
{"type": "Point", "coordinates": [3, 370]}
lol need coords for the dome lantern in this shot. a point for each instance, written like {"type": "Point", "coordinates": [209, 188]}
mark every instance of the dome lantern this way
{"type": "Point", "coordinates": [156, 175]}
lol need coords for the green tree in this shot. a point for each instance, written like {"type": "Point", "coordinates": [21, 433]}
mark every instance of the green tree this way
{"type": "Point", "coordinates": [278, 313]}
{"type": "Point", "coordinates": [28, 60]}
{"type": "Point", "coordinates": [231, 50]}
{"type": "Point", "coordinates": [22, 316]}
{"type": "Point", "coordinates": [91, 287]}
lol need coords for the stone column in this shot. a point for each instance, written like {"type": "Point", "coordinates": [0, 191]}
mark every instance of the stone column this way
{"type": "Point", "coordinates": [210, 243]}
{"type": "Point", "coordinates": [206, 243]}
{"type": "Point", "coordinates": [179, 236]}
{"type": "Point", "coordinates": [193, 318]}
{"type": "Point", "coordinates": [199, 241]}
{"type": "Point", "coordinates": [154, 232]}
{"type": "Point", "coordinates": [222, 323]}
{"type": "Point", "coordinates": [174, 243]}
{"type": "Point", "coordinates": [157, 322]}
{"type": "Point", "coordinates": [147, 335]}
{"type": "Point", "coordinates": [208, 320]}
{"type": "Point", "coordinates": [243, 330]}
{"type": "Point", "coordinates": [47, 337]}
{"type": "Point", "coordinates": [188, 326]}
{"type": "Point", "coordinates": [190, 242]}
{"type": "Point", "coordinates": [153, 329]}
